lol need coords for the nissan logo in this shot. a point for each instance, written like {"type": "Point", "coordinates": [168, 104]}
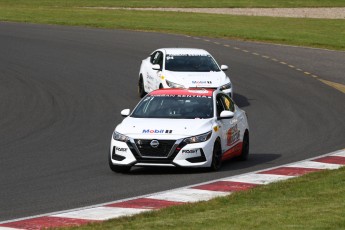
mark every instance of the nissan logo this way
{"type": "Point", "coordinates": [154, 143]}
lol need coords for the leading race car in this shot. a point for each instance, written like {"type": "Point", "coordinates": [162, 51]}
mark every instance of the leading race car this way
{"type": "Point", "coordinates": [180, 128]}
{"type": "Point", "coordinates": [182, 68]}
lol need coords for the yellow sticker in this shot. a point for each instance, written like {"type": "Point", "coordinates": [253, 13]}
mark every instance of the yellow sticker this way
{"type": "Point", "coordinates": [162, 77]}
{"type": "Point", "coordinates": [215, 128]}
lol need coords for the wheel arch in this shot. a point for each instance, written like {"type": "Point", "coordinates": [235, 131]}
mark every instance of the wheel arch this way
{"type": "Point", "coordinates": [218, 141]}
{"type": "Point", "coordinates": [246, 132]}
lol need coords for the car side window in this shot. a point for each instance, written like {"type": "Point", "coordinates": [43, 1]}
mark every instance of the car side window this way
{"type": "Point", "coordinates": [228, 103]}
{"type": "Point", "coordinates": [220, 106]}
{"type": "Point", "coordinates": [153, 56]}
{"type": "Point", "coordinates": [157, 58]}
{"type": "Point", "coordinates": [224, 103]}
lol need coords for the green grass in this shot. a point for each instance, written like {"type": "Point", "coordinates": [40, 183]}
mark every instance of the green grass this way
{"type": "Point", "coordinates": [306, 32]}
{"type": "Point", "coordinates": [314, 201]}
{"type": "Point", "coordinates": [177, 3]}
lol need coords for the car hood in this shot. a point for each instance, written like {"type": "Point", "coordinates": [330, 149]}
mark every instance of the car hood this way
{"type": "Point", "coordinates": [163, 128]}
{"type": "Point", "coordinates": [197, 79]}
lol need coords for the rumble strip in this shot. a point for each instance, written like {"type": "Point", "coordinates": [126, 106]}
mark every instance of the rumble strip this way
{"type": "Point", "coordinates": [194, 193]}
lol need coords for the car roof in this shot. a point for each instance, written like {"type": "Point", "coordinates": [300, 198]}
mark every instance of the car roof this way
{"type": "Point", "coordinates": [185, 92]}
{"type": "Point", "coordinates": [176, 51]}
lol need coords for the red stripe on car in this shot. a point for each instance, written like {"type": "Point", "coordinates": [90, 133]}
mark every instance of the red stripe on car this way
{"type": "Point", "coordinates": [233, 152]}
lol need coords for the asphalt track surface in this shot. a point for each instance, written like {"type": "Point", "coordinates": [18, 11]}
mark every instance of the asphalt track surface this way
{"type": "Point", "coordinates": [62, 90]}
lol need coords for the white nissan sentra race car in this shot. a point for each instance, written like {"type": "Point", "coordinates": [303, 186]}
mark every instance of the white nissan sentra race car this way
{"type": "Point", "coordinates": [182, 128]}
{"type": "Point", "coordinates": [182, 68]}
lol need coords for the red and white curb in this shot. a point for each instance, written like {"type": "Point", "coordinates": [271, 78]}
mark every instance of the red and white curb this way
{"type": "Point", "coordinates": [194, 193]}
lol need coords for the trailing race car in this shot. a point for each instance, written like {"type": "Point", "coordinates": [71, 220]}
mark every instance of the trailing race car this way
{"type": "Point", "coordinates": [182, 128]}
{"type": "Point", "coordinates": [182, 68]}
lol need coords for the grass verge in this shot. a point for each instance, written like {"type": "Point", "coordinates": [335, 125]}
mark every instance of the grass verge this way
{"type": "Point", "coordinates": [313, 201]}
{"type": "Point", "coordinates": [305, 32]}
{"type": "Point", "coordinates": [177, 3]}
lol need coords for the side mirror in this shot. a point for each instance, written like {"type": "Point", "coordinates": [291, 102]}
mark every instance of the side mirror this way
{"type": "Point", "coordinates": [224, 67]}
{"type": "Point", "coordinates": [156, 67]}
{"type": "Point", "coordinates": [125, 112]}
{"type": "Point", "coordinates": [226, 114]}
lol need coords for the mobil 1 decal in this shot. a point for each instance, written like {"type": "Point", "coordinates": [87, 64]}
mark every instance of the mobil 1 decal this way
{"type": "Point", "coordinates": [157, 131]}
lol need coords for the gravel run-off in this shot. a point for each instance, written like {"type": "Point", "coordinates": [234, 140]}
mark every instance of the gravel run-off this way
{"type": "Point", "coordinates": [326, 13]}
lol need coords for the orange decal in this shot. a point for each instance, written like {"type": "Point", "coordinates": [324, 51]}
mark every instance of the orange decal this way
{"type": "Point", "coordinates": [233, 152]}
{"type": "Point", "coordinates": [233, 135]}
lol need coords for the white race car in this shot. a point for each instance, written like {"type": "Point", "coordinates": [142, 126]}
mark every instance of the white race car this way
{"type": "Point", "coordinates": [182, 128]}
{"type": "Point", "coordinates": [182, 68]}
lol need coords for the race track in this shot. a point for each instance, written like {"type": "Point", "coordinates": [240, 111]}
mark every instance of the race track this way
{"type": "Point", "coordinates": [62, 90]}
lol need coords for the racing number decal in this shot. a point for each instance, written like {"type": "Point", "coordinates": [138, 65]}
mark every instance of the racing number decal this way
{"type": "Point", "coordinates": [233, 135]}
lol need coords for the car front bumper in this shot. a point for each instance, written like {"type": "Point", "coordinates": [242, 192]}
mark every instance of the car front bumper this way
{"type": "Point", "coordinates": [174, 153]}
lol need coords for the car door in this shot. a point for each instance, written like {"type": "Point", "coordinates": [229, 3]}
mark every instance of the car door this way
{"type": "Point", "coordinates": [153, 76]}
{"type": "Point", "coordinates": [230, 133]}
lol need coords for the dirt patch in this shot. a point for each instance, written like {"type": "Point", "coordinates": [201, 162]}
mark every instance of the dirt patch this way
{"type": "Point", "coordinates": [327, 13]}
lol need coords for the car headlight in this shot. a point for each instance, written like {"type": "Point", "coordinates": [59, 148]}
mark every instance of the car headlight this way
{"type": "Point", "coordinates": [120, 137]}
{"type": "Point", "coordinates": [196, 139]}
{"type": "Point", "coordinates": [173, 85]}
{"type": "Point", "coordinates": [226, 86]}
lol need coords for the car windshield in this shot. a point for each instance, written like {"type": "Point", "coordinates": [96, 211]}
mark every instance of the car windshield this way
{"type": "Point", "coordinates": [191, 63]}
{"type": "Point", "coordinates": [174, 106]}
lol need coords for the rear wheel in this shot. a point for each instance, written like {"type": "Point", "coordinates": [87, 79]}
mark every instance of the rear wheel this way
{"type": "Point", "coordinates": [118, 168]}
{"type": "Point", "coordinates": [245, 147]}
{"type": "Point", "coordinates": [216, 157]}
{"type": "Point", "coordinates": [141, 88]}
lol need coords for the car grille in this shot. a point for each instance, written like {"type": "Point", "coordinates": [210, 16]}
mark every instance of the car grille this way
{"type": "Point", "coordinates": [146, 150]}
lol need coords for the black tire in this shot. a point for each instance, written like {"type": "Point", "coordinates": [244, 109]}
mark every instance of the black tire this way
{"type": "Point", "coordinates": [118, 168]}
{"type": "Point", "coordinates": [245, 147]}
{"type": "Point", "coordinates": [141, 88]}
{"type": "Point", "coordinates": [216, 157]}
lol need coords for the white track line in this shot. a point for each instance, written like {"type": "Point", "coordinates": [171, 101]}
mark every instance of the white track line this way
{"type": "Point", "coordinates": [101, 213]}
{"type": "Point", "coordinates": [188, 195]}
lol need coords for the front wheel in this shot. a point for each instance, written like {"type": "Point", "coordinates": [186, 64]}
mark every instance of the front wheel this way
{"type": "Point", "coordinates": [245, 147]}
{"type": "Point", "coordinates": [216, 157]}
{"type": "Point", "coordinates": [118, 168]}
